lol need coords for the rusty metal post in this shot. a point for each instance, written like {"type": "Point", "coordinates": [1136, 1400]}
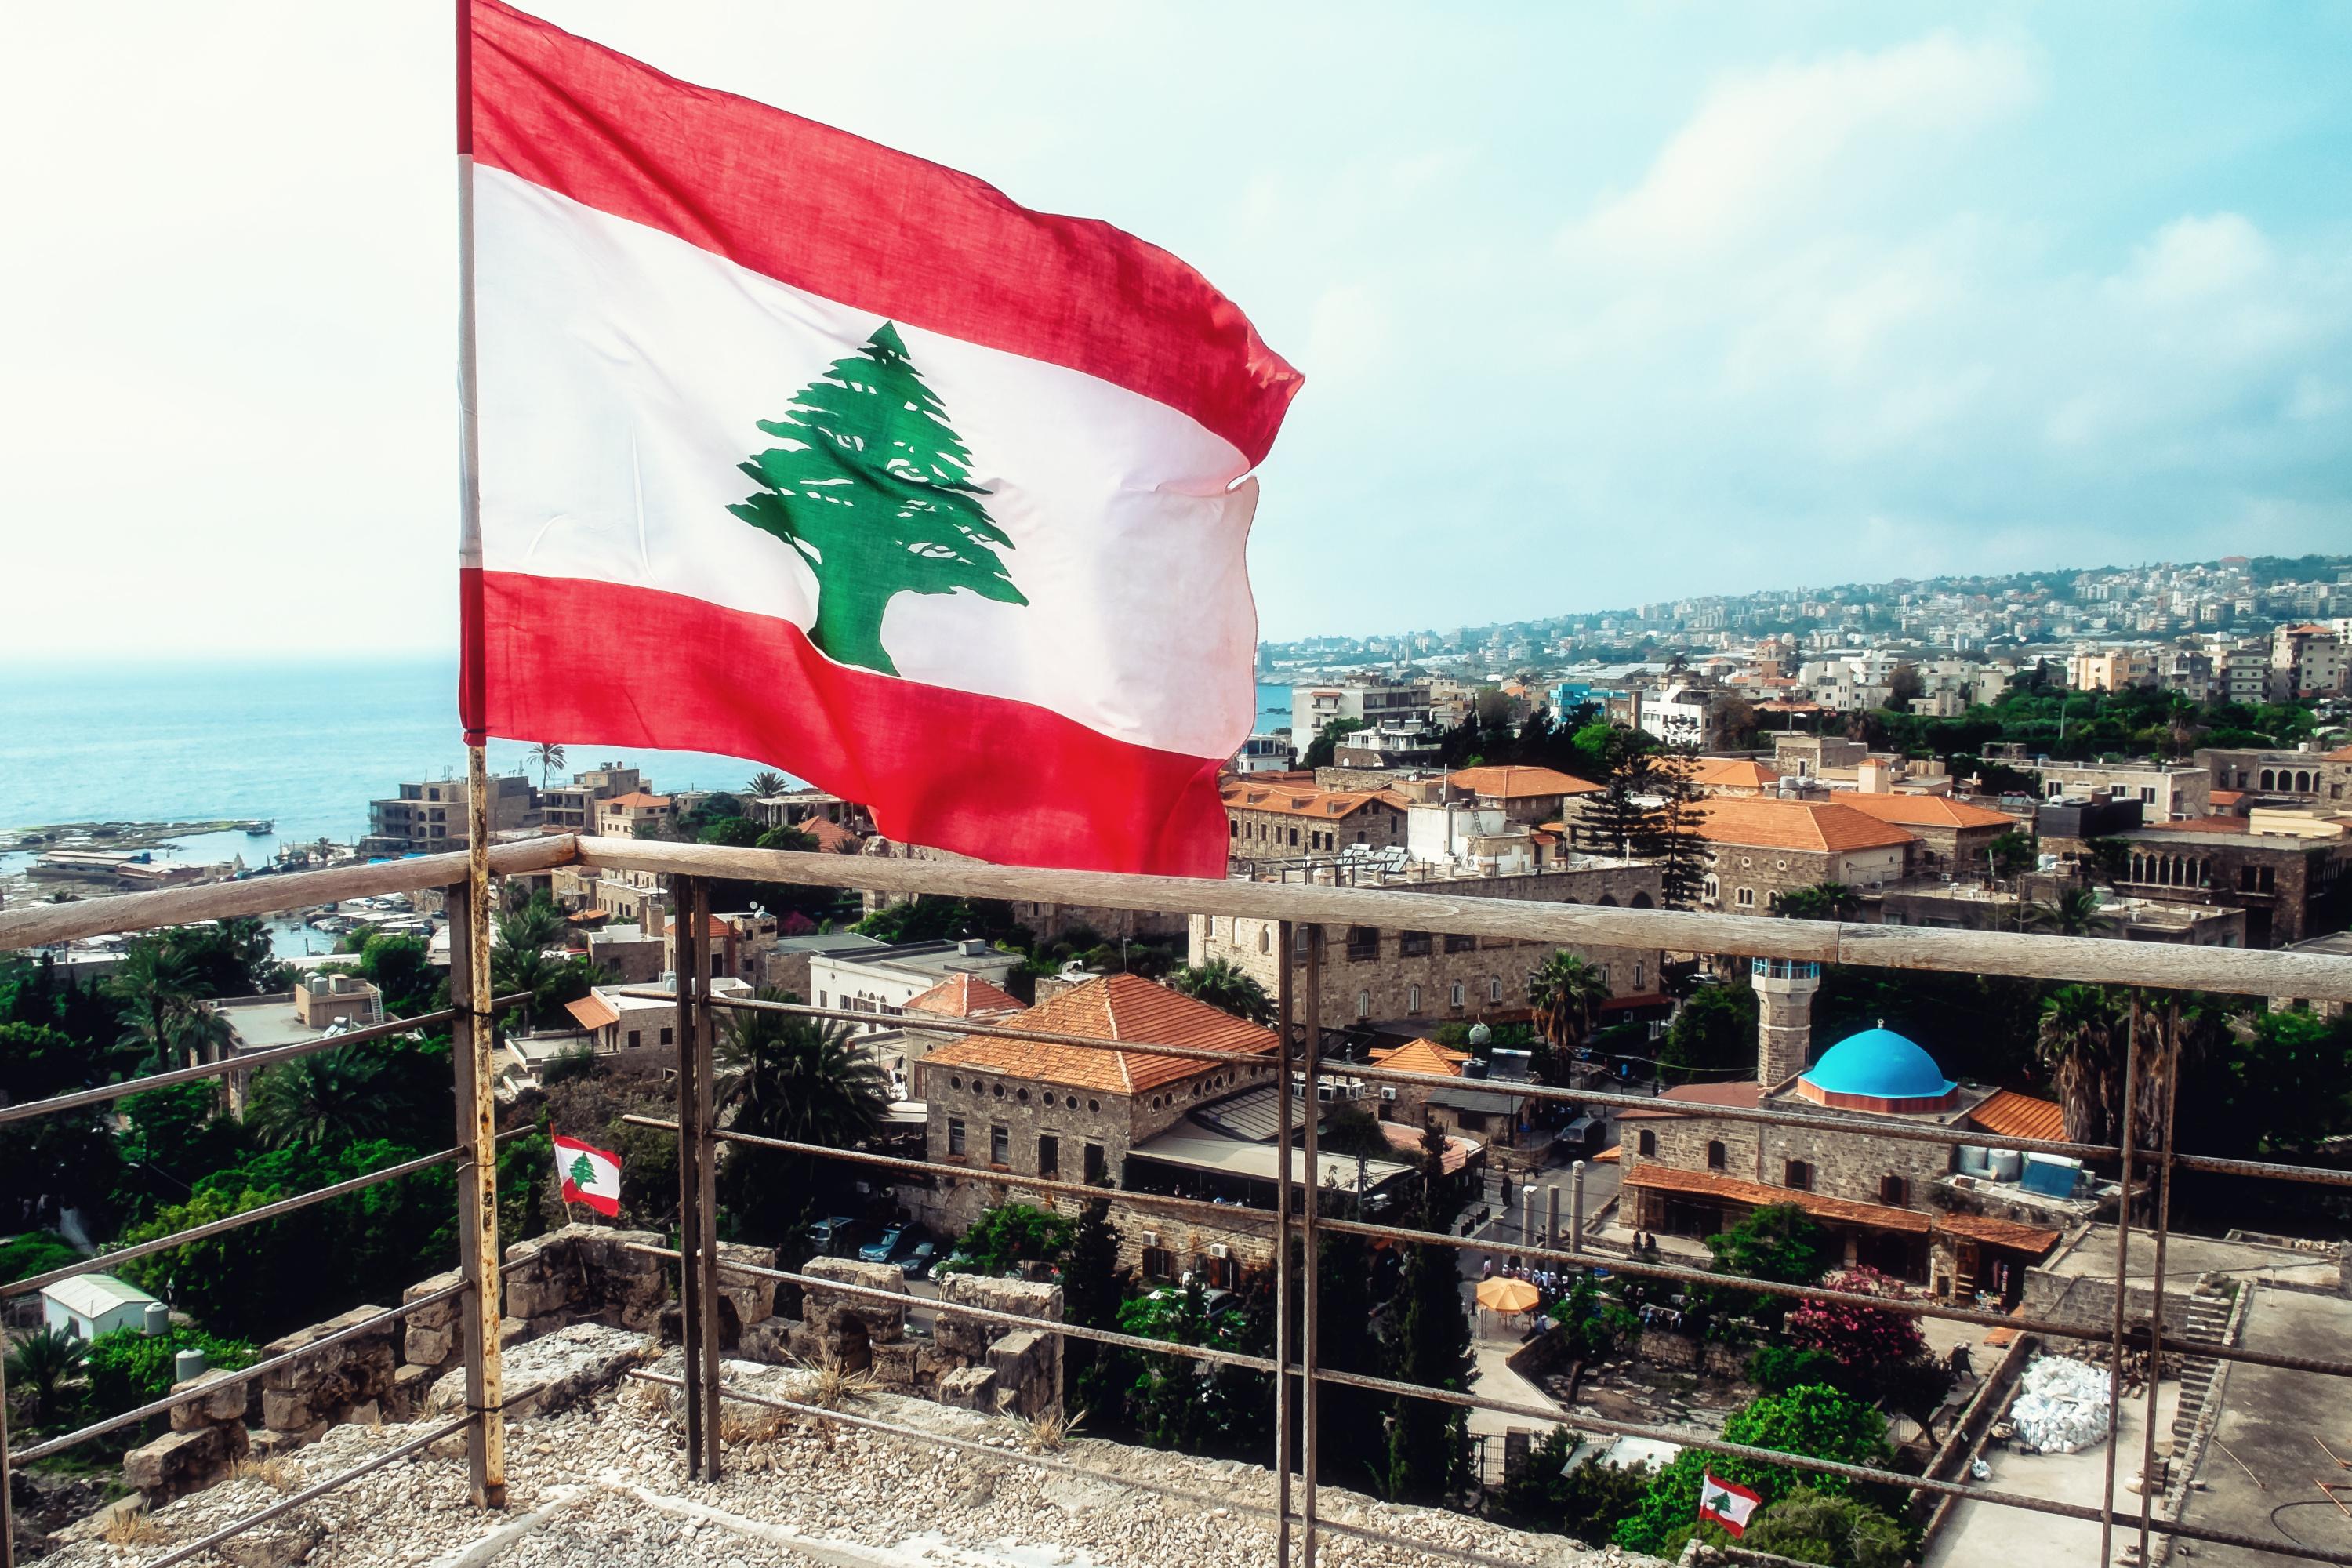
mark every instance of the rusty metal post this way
{"type": "Point", "coordinates": [477, 1188]}
{"type": "Point", "coordinates": [2167, 1068]}
{"type": "Point", "coordinates": [1285, 1408]}
{"type": "Point", "coordinates": [696, 1194]}
{"type": "Point", "coordinates": [1307, 1397]}
{"type": "Point", "coordinates": [7, 1481]}
{"type": "Point", "coordinates": [2123, 1286]}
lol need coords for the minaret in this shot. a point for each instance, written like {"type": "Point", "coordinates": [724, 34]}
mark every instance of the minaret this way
{"type": "Point", "coordinates": [1784, 1016]}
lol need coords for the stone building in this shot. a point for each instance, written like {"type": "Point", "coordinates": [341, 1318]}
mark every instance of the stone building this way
{"type": "Point", "coordinates": [1525, 795]}
{"type": "Point", "coordinates": [1047, 922]}
{"type": "Point", "coordinates": [2166, 792]}
{"type": "Point", "coordinates": [2286, 871]}
{"type": "Point", "coordinates": [2315, 777]}
{"type": "Point", "coordinates": [1279, 822]}
{"type": "Point", "coordinates": [1963, 1222]}
{"type": "Point", "coordinates": [1371, 976]}
{"type": "Point", "coordinates": [1759, 849]}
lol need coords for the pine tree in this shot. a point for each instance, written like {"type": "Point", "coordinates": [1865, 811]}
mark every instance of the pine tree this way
{"type": "Point", "coordinates": [1426, 1340]}
{"type": "Point", "coordinates": [872, 487]}
{"type": "Point", "coordinates": [1669, 833]}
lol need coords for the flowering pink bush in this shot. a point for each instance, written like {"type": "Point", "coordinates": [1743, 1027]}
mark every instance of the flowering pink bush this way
{"type": "Point", "coordinates": [1858, 1337]}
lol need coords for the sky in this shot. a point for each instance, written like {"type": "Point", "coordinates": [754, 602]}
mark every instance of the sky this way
{"type": "Point", "coordinates": [1596, 305]}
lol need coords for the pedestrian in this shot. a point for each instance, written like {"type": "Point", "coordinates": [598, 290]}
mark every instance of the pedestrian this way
{"type": "Point", "coordinates": [1486, 1267]}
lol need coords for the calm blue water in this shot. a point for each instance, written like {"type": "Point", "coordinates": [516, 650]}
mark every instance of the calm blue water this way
{"type": "Point", "coordinates": [306, 745]}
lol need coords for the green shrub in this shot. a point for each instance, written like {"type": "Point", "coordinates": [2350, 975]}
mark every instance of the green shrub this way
{"type": "Point", "coordinates": [34, 1252]}
{"type": "Point", "coordinates": [128, 1368]}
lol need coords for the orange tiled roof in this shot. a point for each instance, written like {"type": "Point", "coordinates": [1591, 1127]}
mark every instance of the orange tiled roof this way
{"type": "Point", "coordinates": [1706, 1183]}
{"type": "Point", "coordinates": [1731, 773]}
{"type": "Point", "coordinates": [1421, 1056]}
{"type": "Point", "coordinates": [964, 996]}
{"type": "Point", "coordinates": [2014, 1115]}
{"type": "Point", "coordinates": [637, 798]}
{"type": "Point", "coordinates": [1324, 804]}
{"type": "Point", "coordinates": [1115, 1008]}
{"type": "Point", "coordinates": [1817, 826]}
{"type": "Point", "coordinates": [1924, 811]}
{"type": "Point", "coordinates": [1516, 783]}
{"type": "Point", "coordinates": [830, 835]}
{"type": "Point", "coordinates": [592, 1012]}
{"type": "Point", "coordinates": [2027, 1238]}
{"type": "Point", "coordinates": [2340, 754]}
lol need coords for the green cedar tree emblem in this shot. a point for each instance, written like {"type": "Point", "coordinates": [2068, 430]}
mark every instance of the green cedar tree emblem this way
{"type": "Point", "coordinates": [872, 486]}
{"type": "Point", "coordinates": [582, 1173]}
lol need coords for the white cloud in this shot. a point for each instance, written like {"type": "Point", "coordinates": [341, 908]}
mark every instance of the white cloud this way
{"type": "Point", "coordinates": [2192, 260]}
{"type": "Point", "coordinates": [1764, 144]}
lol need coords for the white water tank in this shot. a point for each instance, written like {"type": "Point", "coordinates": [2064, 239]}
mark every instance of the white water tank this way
{"type": "Point", "coordinates": [2004, 1164]}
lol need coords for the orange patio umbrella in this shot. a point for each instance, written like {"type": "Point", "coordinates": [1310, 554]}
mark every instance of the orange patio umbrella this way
{"type": "Point", "coordinates": [1507, 1296]}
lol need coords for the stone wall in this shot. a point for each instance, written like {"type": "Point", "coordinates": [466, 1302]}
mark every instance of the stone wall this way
{"type": "Point", "coordinates": [990, 1367]}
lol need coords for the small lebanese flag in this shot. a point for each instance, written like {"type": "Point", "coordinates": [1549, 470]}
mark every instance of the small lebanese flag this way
{"type": "Point", "coordinates": [799, 449]}
{"type": "Point", "coordinates": [1727, 1503]}
{"type": "Point", "coordinates": [590, 1175]}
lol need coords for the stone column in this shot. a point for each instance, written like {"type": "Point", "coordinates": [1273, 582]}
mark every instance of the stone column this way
{"type": "Point", "coordinates": [1576, 1207]}
{"type": "Point", "coordinates": [1552, 1216]}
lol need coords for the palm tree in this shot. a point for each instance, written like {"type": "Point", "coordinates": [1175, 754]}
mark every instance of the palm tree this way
{"type": "Point", "coordinates": [2079, 1043]}
{"type": "Point", "coordinates": [330, 1100]}
{"type": "Point", "coordinates": [798, 1078]}
{"type": "Point", "coordinates": [549, 756]}
{"type": "Point", "coordinates": [1821, 902]}
{"type": "Point", "coordinates": [799, 839]}
{"type": "Point", "coordinates": [767, 780]}
{"type": "Point", "coordinates": [1565, 989]}
{"type": "Point", "coordinates": [40, 1364]}
{"type": "Point", "coordinates": [160, 983]}
{"type": "Point", "coordinates": [1225, 987]}
{"type": "Point", "coordinates": [2076, 911]}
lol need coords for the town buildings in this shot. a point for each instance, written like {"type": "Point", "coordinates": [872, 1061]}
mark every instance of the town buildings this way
{"type": "Point", "coordinates": [1275, 821]}
{"type": "Point", "coordinates": [1760, 849]}
{"type": "Point", "coordinates": [2167, 792]}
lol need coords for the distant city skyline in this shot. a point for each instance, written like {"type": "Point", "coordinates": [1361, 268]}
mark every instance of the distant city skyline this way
{"type": "Point", "coordinates": [1594, 309]}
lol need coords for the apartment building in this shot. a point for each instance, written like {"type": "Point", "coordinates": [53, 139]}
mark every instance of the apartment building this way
{"type": "Point", "coordinates": [430, 815]}
{"type": "Point", "coordinates": [2306, 660]}
{"type": "Point", "coordinates": [1758, 851]}
{"type": "Point", "coordinates": [2167, 792]}
{"type": "Point", "coordinates": [1266, 821]}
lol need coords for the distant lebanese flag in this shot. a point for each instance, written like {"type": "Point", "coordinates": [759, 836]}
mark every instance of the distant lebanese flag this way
{"type": "Point", "coordinates": [589, 1174]}
{"type": "Point", "coordinates": [1727, 1503]}
{"type": "Point", "coordinates": [796, 449]}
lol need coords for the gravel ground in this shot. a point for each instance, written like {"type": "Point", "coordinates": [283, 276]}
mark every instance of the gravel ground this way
{"type": "Point", "coordinates": [602, 1485]}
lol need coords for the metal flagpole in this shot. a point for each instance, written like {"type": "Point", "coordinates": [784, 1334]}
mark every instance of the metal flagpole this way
{"type": "Point", "coordinates": [1284, 1404]}
{"type": "Point", "coordinates": [478, 1180]}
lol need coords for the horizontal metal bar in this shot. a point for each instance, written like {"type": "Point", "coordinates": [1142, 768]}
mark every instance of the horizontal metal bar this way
{"type": "Point", "coordinates": [39, 925]}
{"type": "Point", "coordinates": [312, 1493]}
{"type": "Point", "coordinates": [1080, 1472]}
{"type": "Point", "coordinates": [2251, 972]}
{"type": "Point", "coordinates": [1690, 1437]}
{"type": "Point", "coordinates": [249, 1062]}
{"type": "Point", "coordinates": [234, 1379]}
{"type": "Point", "coordinates": [984, 1314]}
{"type": "Point", "coordinates": [1516, 1088]}
{"type": "Point", "coordinates": [238, 1221]}
{"type": "Point", "coordinates": [1200, 1208]}
{"type": "Point", "coordinates": [1899, 1305]}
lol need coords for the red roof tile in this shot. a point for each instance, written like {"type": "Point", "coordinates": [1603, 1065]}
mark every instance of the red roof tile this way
{"type": "Point", "coordinates": [2014, 1115]}
{"type": "Point", "coordinates": [1924, 811]}
{"type": "Point", "coordinates": [1744, 1093]}
{"type": "Point", "coordinates": [1115, 1008]}
{"type": "Point", "coordinates": [1248, 794]}
{"type": "Point", "coordinates": [964, 996]}
{"type": "Point", "coordinates": [1816, 826]}
{"type": "Point", "coordinates": [1515, 782]}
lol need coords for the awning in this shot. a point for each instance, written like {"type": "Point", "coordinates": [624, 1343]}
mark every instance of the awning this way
{"type": "Point", "coordinates": [592, 1012]}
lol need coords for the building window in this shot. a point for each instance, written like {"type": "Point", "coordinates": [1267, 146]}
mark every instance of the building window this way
{"type": "Point", "coordinates": [1416, 945]}
{"type": "Point", "coordinates": [1645, 1143]}
{"type": "Point", "coordinates": [1094, 1164]}
{"type": "Point", "coordinates": [1412, 1005]}
{"type": "Point", "coordinates": [1265, 944]}
{"type": "Point", "coordinates": [1461, 993]}
{"type": "Point", "coordinates": [955, 1135]}
{"type": "Point", "coordinates": [1461, 943]}
{"type": "Point", "coordinates": [1363, 944]}
{"type": "Point", "coordinates": [1160, 1263]}
{"type": "Point", "coordinates": [1747, 901]}
{"type": "Point", "coordinates": [636, 1038]}
{"type": "Point", "coordinates": [1049, 1155]}
{"type": "Point", "coordinates": [999, 1144]}
{"type": "Point", "coordinates": [666, 1040]}
{"type": "Point", "coordinates": [1637, 986]}
{"type": "Point", "coordinates": [1797, 1175]}
{"type": "Point", "coordinates": [1893, 1192]}
{"type": "Point", "coordinates": [1094, 1107]}
{"type": "Point", "coordinates": [1716, 1158]}
{"type": "Point", "coordinates": [1495, 994]}
{"type": "Point", "coordinates": [1364, 1010]}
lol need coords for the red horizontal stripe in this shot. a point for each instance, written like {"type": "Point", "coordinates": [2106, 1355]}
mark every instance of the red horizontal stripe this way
{"type": "Point", "coordinates": [1001, 781]}
{"type": "Point", "coordinates": [848, 220]}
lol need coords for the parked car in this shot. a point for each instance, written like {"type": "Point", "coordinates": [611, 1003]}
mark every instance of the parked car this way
{"type": "Point", "coordinates": [917, 1264]}
{"type": "Point", "coordinates": [832, 1235]}
{"type": "Point", "coordinates": [884, 1246]}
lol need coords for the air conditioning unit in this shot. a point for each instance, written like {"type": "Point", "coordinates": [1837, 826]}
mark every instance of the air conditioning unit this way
{"type": "Point", "coordinates": [1388, 1091]}
{"type": "Point", "coordinates": [1150, 1238]}
{"type": "Point", "coordinates": [1221, 1251]}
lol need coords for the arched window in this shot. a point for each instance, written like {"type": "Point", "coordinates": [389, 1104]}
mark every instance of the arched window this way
{"type": "Point", "coordinates": [1364, 1010]}
{"type": "Point", "coordinates": [1715, 1158]}
{"type": "Point", "coordinates": [1413, 1007]}
{"type": "Point", "coordinates": [1646, 1143]}
{"type": "Point", "coordinates": [1643, 901]}
{"type": "Point", "coordinates": [1265, 944]}
{"type": "Point", "coordinates": [2302, 784]}
{"type": "Point", "coordinates": [2269, 779]}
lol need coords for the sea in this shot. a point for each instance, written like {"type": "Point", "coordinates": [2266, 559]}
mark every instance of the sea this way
{"type": "Point", "coordinates": [302, 745]}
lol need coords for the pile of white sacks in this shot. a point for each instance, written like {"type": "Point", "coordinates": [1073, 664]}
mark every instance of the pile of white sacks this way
{"type": "Point", "coordinates": [2062, 1408]}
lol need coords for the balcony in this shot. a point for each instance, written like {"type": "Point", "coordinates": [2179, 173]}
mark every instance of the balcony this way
{"type": "Point", "coordinates": [579, 1421]}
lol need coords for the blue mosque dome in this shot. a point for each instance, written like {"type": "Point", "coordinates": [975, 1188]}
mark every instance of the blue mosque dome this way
{"type": "Point", "coordinates": [1881, 1066]}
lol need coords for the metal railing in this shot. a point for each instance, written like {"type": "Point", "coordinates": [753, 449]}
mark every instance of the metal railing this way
{"type": "Point", "coordinates": [1296, 1220]}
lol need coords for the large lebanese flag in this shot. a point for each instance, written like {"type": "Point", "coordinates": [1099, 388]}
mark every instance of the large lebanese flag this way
{"type": "Point", "coordinates": [796, 449]}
